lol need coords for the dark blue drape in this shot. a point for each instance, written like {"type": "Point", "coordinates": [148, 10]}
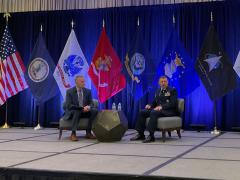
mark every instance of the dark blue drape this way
{"type": "Point", "coordinates": [192, 22]}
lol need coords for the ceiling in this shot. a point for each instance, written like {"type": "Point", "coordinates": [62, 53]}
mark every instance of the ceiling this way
{"type": "Point", "coordinates": [47, 5]}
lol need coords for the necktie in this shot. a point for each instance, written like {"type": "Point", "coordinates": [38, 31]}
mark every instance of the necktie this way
{"type": "Point", "coordinates": [162, 91]}
{"type": "Point", "coordinates": [80, 98]}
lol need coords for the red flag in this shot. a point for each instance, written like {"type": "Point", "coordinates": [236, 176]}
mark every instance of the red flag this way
{"type": "Point", "coordinates": [105, 69]}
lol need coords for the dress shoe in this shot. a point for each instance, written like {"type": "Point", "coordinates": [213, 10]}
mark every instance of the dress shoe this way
{"type": "Point", "coordinates": [73, 137]}
{"type": "Point", "coordinates": [149, 139]}
{"type": "Point", "coordinates": [138, 137]}
{"type": "Point", "coordinates": [90, 136]}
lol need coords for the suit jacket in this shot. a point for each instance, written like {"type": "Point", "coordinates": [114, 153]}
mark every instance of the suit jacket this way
{"type": "Point", "coordinates": [168, 101]}
{"type": "Point", "coordinates": [72, 101]}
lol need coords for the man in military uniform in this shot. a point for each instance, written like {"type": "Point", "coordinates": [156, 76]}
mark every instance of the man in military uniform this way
{"type": "Point", "coordinates": [163, 105]}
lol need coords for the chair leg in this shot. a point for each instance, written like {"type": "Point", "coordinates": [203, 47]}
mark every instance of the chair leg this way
{"type": "Point", "coordinates": [179, 133]}
{"type": "Point", "coordinates": [169, 134]}
{"type": "Point", "coordinates": [163, 135]}
{"type": "Point", "coordinates": [60, 134]}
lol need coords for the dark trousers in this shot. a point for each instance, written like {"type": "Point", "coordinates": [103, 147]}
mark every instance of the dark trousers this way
{"type": "Point", "coordinates": [77, 114]}
{"type": "Point", "coordinates": [152, 124]}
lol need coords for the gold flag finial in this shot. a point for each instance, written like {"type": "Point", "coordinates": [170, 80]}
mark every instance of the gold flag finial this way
{"type": "Point", "coordinates": [6, 15]}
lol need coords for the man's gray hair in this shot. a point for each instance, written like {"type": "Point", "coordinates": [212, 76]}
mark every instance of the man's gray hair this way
{"type": "Point", "coordinates": [78, 76]}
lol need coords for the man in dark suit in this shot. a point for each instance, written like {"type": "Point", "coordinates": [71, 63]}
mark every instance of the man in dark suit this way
{"type": "Point", "coordinates": [163, 105]}
{"type": "Point", "coordinates": [79, 104]}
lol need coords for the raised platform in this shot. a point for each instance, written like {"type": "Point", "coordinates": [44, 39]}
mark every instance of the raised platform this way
{"type": "Point", "coordinates": [26, 153]}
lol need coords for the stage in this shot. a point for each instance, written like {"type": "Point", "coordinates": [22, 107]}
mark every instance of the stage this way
{"type": "Point", "coordinates": [27, 153]}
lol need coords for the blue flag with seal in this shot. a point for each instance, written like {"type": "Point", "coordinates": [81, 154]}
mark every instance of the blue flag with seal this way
{"type": "Point", "coordinates": [177, 65]}
{"type": "Point", "coordinates": [39, 74]}
{"type": "Point", "coordinates": [139, 66]}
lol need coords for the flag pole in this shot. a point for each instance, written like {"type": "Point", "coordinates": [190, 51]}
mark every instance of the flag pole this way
{"type": "Point", "coordinates": [215, 130]}
{"type": "Point", "coordinates": [140, 101]}
{"type": "Point", "coordinates": [38, 111]}
{"type": "Point", "coordinates": [99, 77]}
{"type": "Point", "coordinates": [6, 126]}
{"type": "Point", "coordinates": [174, 23]}
{"type": "Point", "coordinates": [38, 125]}
{"type": "Point", "coordinates": [6, 15]}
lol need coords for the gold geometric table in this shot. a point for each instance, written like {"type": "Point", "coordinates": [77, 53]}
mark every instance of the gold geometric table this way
{"type": "Point", "coordinates": [110, 125]}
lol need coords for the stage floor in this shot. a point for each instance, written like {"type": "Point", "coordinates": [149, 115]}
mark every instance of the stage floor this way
{"type": "Point", "coordinates": [196, 155]}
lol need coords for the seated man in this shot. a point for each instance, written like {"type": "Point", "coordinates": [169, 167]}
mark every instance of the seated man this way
{"type": "Point", "coordinates": [164, 104]}
{"type": "Point", "coordinates": [78, 104]}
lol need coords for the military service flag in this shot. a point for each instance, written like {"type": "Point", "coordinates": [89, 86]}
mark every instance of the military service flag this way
{"type": "Point", "coordinates": [214, 67]}
{"type": "Point", "coordinates": [72, 62]}
{"type": "Point", "coordinates": [105, 69]}
{"type": "Point", "coordinates": [139, 66]}
{"type": "Point", "coordinates": [177, 65]}
{"type": "Point", "coordinates": [236, 66]}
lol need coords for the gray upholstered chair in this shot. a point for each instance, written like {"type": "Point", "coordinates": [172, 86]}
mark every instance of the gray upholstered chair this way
{"type": "Point", "coordinates": [168, 124]}
{"type": "Point", "coordinates": [67, 124]}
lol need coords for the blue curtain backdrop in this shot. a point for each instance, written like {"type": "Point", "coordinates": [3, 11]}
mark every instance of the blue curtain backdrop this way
{"type": "Point", "coordinates": [192, 22]}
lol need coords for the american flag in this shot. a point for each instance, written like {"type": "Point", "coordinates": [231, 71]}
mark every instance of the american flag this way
{"type": "Point", "coordinates": [12, 68]}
